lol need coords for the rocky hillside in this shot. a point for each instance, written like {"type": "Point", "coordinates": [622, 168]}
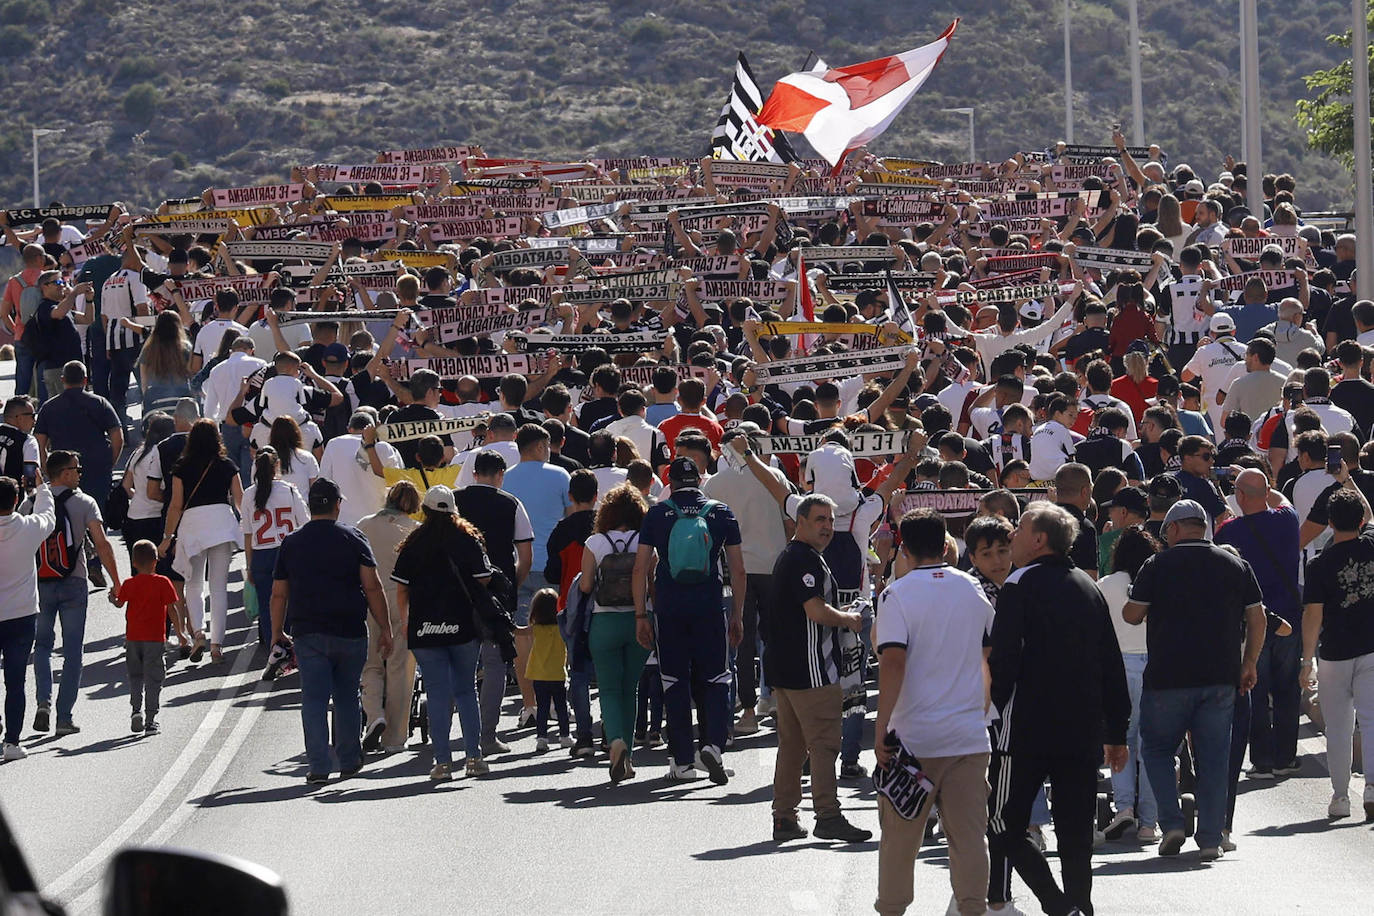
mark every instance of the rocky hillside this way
{"type": "Point", "coordinates": [167, 98]}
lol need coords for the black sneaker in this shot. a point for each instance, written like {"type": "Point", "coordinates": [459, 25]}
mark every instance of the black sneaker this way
{"type": "Point", "coordinates": [95, 574]}
{"type": "Point", "coordinates": [316, 779]}
{"type": "Point", "coordinates": [837, 828]}
{"type": "Point", "coordinates": [1258, 772]}
{"type": "Point", "coordinates": [583, 748]}
{"type": "Point", "coordinates": [150, 727]}
{"type": "Point", "coordinates": [853, 771]}
{"type": "Point", "coordinates": [715, 764]}
{"type": "Point", "coordinates": [784, 830]}
{"type": "Point", "coordinates": [42, 718]}
{"type": "Point", "coordinates": [1291, 768]}
{"type": "Point", "coordinates": [352, 771]}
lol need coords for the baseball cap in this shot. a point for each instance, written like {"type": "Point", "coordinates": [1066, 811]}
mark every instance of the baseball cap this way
{"type": "Point", "coordinates": [1165, 486]}
{"type": "Point", "coordinates": [684, 472]}
{"type": "Point", "coordinates": [324, 495]}
{"type": "Point", "coordinates": [439, 498]}
{"type": "Point", "coordinates": [1032, 311]}
{"type": "Point", "coordinates": [1222, 323]}
{"type": "Point", "coordinates": [1138, 346]}
{"type": "Point", "coordinates": [336, 352]}
{"type": "Point", "coordinates": [1185, 510]}
{"type": "Point", "coordinates": [1132, 499]}
{"type": "Point", "coordinates": [1194, 187]}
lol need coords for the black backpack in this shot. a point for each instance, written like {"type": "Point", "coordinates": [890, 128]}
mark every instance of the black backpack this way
{"type": "Point", "coordinates": [615, 573]}
{"type": "Point", "coordinates": [58, 553]}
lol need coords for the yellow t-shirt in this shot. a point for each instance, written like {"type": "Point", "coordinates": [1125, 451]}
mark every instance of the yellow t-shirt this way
{"type": "Point", "coordinates": [548, 659]}
{"type": "Point", "coordinates": [423, 480]}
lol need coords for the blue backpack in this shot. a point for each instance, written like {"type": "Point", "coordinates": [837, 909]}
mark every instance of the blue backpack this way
{"type": "Point", "coordinates": [691, 549]}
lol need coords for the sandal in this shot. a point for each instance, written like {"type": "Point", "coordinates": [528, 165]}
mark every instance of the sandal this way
{"type": "Point", "coordinates": [216, 654]}
{"type": "Point", "coordinates": [198, 649]}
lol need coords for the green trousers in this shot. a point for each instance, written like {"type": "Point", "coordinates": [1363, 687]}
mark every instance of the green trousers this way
{"type": "Point", "coordinates": [619, 660]}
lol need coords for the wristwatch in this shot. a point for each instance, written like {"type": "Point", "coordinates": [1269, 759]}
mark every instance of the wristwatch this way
{"type": "Point", "coordinates": [748, 453]}
{"type": "Point", "coordinates": [369, 445]}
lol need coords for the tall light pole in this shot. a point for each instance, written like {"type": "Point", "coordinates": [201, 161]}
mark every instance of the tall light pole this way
{"type": "Point", "coordinates": [1068, 78]}
{"type": "Point", "coordinates": [1254, 168]}
{"type": "Point", "coordinates": [972, 155]}
{"type": "Point", "coordinates": [40, 132]}
{"type": "Point", "coordinates": [1137, 93]}
{"type": "Point", "coordinates": [1364, 181]}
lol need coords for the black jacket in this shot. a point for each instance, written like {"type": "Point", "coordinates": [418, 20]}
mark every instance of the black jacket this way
{"type": "Point", "coordinates": [1057, 676]}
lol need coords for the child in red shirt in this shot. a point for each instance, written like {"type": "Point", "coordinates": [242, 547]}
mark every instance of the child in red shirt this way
{"type": "Point", "coordinates": [149, 598]}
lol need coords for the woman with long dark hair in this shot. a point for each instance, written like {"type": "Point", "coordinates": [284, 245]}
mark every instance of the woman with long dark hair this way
{"type": "Point", "coordinates": [271, 509]}
{"type": "Point", "coordinates": [436, 567]}
{"type": "Point", "coordinates": [616, 652]}
{"type": "Point", "coordinates": [165, 363]}
{"type": "Point", "coordinates": [205, 488]}
{"type": "Point", "coordinates": [298, 466]}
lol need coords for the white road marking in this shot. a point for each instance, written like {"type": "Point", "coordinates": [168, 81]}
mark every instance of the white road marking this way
{"type": "Point", "coordinates": [157, 798]}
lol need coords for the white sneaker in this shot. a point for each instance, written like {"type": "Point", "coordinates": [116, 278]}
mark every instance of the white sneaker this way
{"type": "Point", "coordinates": [1210, 853]}
{"type": "Point", "coordinates": [765, 707]}
{"type": "Point", "coordinates": [14, 752]}
{"type": "Point", "coordinates": [1008, 909]}
{"type": "Point", "coordinates": [683, 774]}
{"type": "Point", "coordinates": [1227, 844]}
{"type": "Point", "coordinates": [567, 741]}
{"type": "Point", "coordinates": [541, 743]}
{"type": "Point", "coordinates": [1147, 835]}
{"type": "Point", "coordinates": [1339, 807]}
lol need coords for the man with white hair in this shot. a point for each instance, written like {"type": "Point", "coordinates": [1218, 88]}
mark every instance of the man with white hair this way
{"type": "Point", "coordinates": [1290, 337]}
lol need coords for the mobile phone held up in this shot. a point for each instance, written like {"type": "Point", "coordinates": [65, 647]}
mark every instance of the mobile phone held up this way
{"type": "Point", "coordinates": [1333, 460]}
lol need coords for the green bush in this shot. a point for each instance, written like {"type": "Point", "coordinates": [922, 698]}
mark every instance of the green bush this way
{"type": "Point", "coordinates": [137, 67]}
{"type": "Point", "coordinates": [140, 103]}
{"type": "Point", "coordinates": [648, 31]}
{"type": "Point", "coordinates": [179, 161]}
{"type": "Point", "coordinates": [276, 88]}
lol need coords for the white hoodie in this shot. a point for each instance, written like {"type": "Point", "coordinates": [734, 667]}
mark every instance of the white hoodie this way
{"type": "Point", "coordinates": [20, 538]}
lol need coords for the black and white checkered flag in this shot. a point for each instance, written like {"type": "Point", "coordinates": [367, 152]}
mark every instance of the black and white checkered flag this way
{"type": "Point", "coordinates": [737, 135]}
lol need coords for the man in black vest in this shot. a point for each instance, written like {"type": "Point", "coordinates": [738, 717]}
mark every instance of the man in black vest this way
{"type": "Point", "coordinates": [18, 447]}
{"type": "Point", "coordinates": [502, 521]}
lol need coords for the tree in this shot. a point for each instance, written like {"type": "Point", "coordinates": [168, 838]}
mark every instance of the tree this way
{"type": "Point", "coordinates": [1329, 116]}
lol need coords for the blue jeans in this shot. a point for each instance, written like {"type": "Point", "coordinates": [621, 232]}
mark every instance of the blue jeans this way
{"type": "Point", "coordinates": [264, 562]}
{"type": "Point", "coordinates": [237, 450]}
{"type": "Point", "coordinates": [1165, 717]}
{"type": "Point", "coordinates": [24, 365]}
{"type": "Point", "coordinates": [1240, 731]}
{"type": "Point", "coordinates": [579, 692]}
{"type": "Point", "coordinates": [16, 640]}
{"type": "Point", "coordinates": [1124, 783]}
{"type": "Point", "coordinates": [1274, 736]}
{"type": "Point", "coordinates": [450, 674]}
{"type": "Point", "coordinates": [64, 599]}
{"type": "Point", "coordinates": [331, 667]}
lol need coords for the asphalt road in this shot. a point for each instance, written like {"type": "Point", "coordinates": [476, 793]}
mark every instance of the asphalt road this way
{"type": "Point", "coordinates": [542, 834]}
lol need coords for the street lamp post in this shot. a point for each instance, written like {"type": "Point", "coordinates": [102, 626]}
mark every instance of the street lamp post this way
{"type": "Point", "coordinates": [40, 132]}
{"type": "Point", "coordinates": [1364, 181]}
{"type": "Point", "coordinates": [1254, 157]}
{"type": "Point", "coordinates": [972, 155]}
{"type": "Point", "coordinates": [1137, 93]}
{"type": "Point", "coordinates": [1068, 79]}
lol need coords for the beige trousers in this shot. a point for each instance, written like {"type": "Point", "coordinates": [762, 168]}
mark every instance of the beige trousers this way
{"type": "Point", "coordinates": [387, 683]}
{"type": "Point", "coordinates": [808, 722]}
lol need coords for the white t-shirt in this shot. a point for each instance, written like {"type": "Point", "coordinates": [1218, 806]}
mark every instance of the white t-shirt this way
{"type": "Point", "coordinates": [462, 441]}
{"type": "Point", "coordinates": [345, 462]}
{"type": "Point", "coordinates": [210, 335]}
{"type": "Point", "coordinates": [120, 296]}
{"type": "Point", "coordinates": [1052, 444]}
{"type": "Point", "coordinates": [144, 466]}
{"type": "Point", "coordinates": [1116, 589]}
{"type": "Point", "coordinates": [223, 383]}
{"type": "Point", "coordinates": [286, 511]}
{"type": "Point", "coordinates": [297, 334]}
{"type": "Point", "coordinates": [941, 617]}
{"type": "Point", "coordinates": [508, 450]}
{"type": "Point", "coordinates": [1213, 364]}
{"type": "Point", "coordinates": [607, 479]}
{"type": "Point", "coordinates": [601, 545]}
{"type": "Point", "coordinates": [304, 469]}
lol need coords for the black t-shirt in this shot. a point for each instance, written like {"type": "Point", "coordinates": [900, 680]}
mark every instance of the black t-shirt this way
{"type": "Point", "coordinates": [61, 341]}
{"type": "Point", "coordinates": [80, 422]}
{"type": "Point", "coordinates": [577, 445]}
{"type": "Point", "coordinates": [1197, 595]}
{"type": "Point", "coordinates": [1084, 549]}
{"type": "Point", "coordinates": [1341, 580]}
{"type": "Point", "coordinates": [440, 614]}
{"type": "Point", "coordinates": [1151, 456]}
{"type": "Point", "coordinates": [592, 411]}
{"type": "Point", "coordinates": [977, 458]}
{"type": "Point", "coordinates": [493, 512]}
{"type": "Point", "coordinates": [1356, 396]}
{"type": "Point", "coordinates": [214, 489]}
{"type": "Point", "coordinates": [566, 463]}
{"type": "Point", "coordinates": [799, 653]}
{"type": "Point", "coordinates": [1085, 342]}
{"type": "Point", "coordinates": [408, 448]}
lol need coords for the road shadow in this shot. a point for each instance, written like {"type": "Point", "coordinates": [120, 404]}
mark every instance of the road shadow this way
{"type": "Point", "coordinates": [96, 747]}
{"type": "Point", "coordinates": [1316, 825]}
{"type": "Point", "coordinates": [1153, 865]}
{"type": "Point", "coordinates": [355, 790]}
{"type": "Point", "coordinates": [223, 798]}
{"type": "Point", "coordinates": [773, 847]}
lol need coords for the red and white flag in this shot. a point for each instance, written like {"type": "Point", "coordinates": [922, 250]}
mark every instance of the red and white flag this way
{"type": "Point", "coordinates": [841, 109]}
{"type": "Point", "coordinates": [806, 306]}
